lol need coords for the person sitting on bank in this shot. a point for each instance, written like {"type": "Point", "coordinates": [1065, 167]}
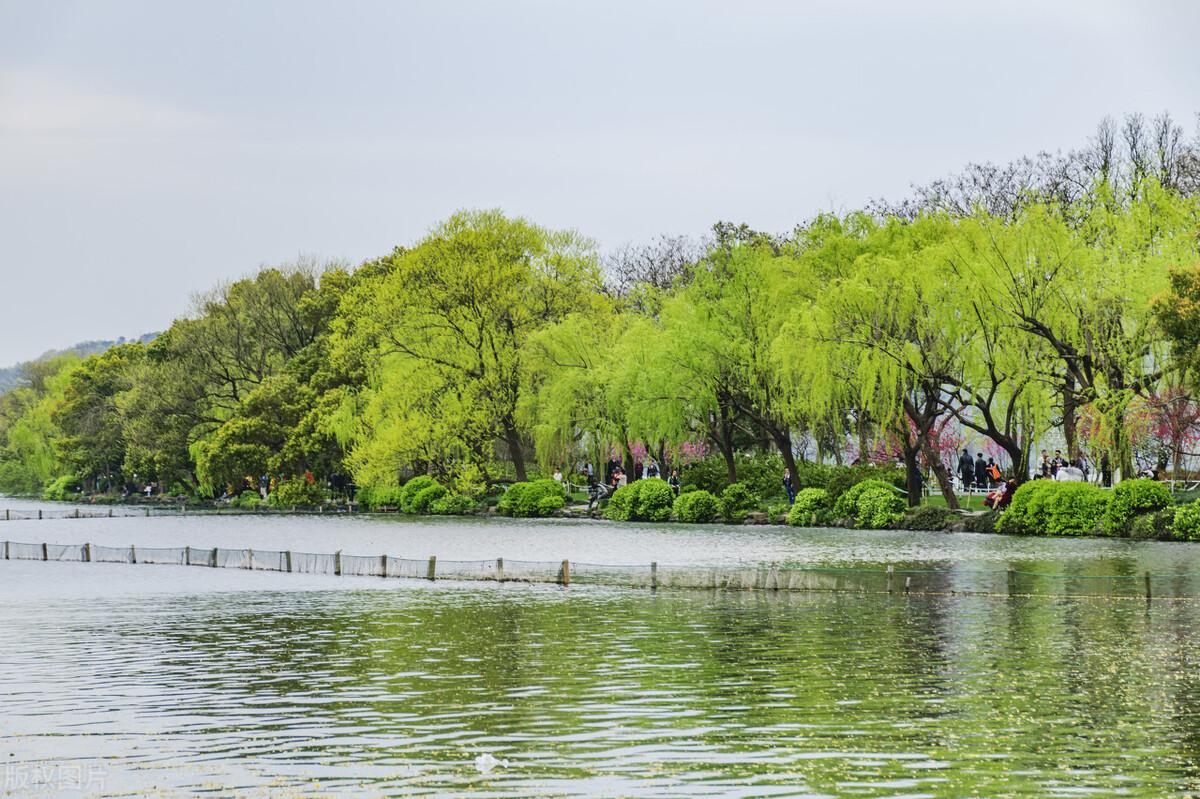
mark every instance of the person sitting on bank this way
{"type": "Point", "coordinates": [1000, 499]}
{"type": "Point", "coordinates": [673, 481]}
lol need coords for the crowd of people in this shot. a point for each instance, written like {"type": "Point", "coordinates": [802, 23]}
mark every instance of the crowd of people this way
{"type": "Point", "coordinates": [615, 477]}
{"type": "Point", "coordinates": [976, 472]}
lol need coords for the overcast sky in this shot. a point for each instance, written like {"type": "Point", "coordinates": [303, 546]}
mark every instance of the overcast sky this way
{"type": "Point", "coordinates": [149, 150]}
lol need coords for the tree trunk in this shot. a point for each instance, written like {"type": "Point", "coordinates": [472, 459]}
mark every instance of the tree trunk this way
{"type": "Point", "coordinates": [939, 472]}
{"type": "Point", "coordinates": [783, 441]}
{"type": "Point", "coordinates": [912, 473]}
{"type": "Point", "coordinates": [1070, 418]}
{"type": "Point", "coordinates": [721, 432]}
{"type": "Point", "coordinates": [513, 439]}
{"type": "Point", "coordinates": [863, 443]}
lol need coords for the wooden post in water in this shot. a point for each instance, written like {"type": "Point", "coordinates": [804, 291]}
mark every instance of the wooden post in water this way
{"type": "Point", "coordinates": [337, 563]}
{"type": "Point", "coordinates": [6, 516]}
{"type": "Point", "coordinates": [187, 556]}
{"type": "Point", "coordinates": [907, 584]}
{"type": "Point", "coordinates": [213, 556]}
{"type": "Point", "coordinates": [249, 558]}
{"type": "Point", "coordinates": [891, 576]}
{"type": "Point", "coordinates": [1012, 582]}
{"type": "Point", "coordinates": [654, 575]}
{"type": "Point", "coordinates": [287, 558]}
{"type": "Point", "coordinates": [147, 513]}
{"type": "Point", "coordinates": [383, 565]}
{"type": "Point", "coordinates": [499, 570]}
{"type": "Point", "coordinates": [45, 554]}
{"type": "Point", "coordinates": [87, 553]}
{"type": "Point", "coordinates": [6, 550]}
{"type": "Point", "coordinates": [564, 577]}
{"type": "Point", "coordinates": [132, 554]}
{"type": "Point", "coordinates": [39, 514]}
{"type": "Point", "coordinates": [110, 513]}
{"type": "Point", "coordinates": [431, 573]}
{"type": "Point", "coordinates": [1147, 578]}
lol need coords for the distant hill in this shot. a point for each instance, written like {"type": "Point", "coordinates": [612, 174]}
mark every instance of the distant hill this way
{"type": "Point", "coordinates": [10, 376]}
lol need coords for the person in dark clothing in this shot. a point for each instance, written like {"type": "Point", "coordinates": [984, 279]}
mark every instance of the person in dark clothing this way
{"type": "Point", "coordinates": [673, 481]}
{"type": "Point", "coordinates": [966, 469]}
{"type": "Point", "coordinates": [789, 485]}
{"type": "Point", "coordinates": [1057, 463]}
{"type": "Point", "coordinates": [980, 470]}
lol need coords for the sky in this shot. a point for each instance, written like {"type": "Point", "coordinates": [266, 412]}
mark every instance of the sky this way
{"type": "Point", "coordinates": [150, 150]}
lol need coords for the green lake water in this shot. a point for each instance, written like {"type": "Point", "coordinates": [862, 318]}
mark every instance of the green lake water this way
{"type": "Point", "coordinates": [166, 681]}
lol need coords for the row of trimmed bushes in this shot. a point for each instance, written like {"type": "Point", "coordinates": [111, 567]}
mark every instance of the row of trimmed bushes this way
{"type": "Point", "coordinates": [1135, 508]}
{"type": "Point", "coordinates": [870, 504]}
{"type": "Point", "coordinates": [420, 495]}
{"type": "Point", "coordinates": [1140, 508]}
{"type": "Point", "coordinates": [652, 500]}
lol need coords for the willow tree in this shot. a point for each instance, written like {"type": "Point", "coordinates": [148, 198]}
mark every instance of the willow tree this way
{"type": "Point", "coordinates": [446, 327]}
{"type": "Point", "coordinates": [29, 455]}
{"type": "Point", "coordinates": [571, 402]}
{"type": "Point", "coordinates": [1083, 293]}
{"type": "Point", "coordinates": [885, 318]}
{"type": "Point", "coordinates": [740, 297]}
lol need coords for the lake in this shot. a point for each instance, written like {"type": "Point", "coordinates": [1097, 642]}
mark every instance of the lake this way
{"type": "Point", "coordinates": [170, 681]}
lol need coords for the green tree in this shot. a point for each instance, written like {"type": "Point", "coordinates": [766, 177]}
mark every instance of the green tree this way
{"type": "Point", "coordinates": [447, 326]}
{"type": "Point", "coordinates": [91, 444]}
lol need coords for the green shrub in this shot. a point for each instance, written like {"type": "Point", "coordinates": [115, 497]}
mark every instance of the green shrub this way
{"type": "Point", "coordinates": [620, 504]}
{"type": "Point", "coordinates": [408, 492]}
{"type": "Point", "coordinates": [1016, 518]}
{"type": "Point", "coordinates": [1187, 521]}
{"type": "Point", "coordinates": [63, 488]}
{"type": "Point", "coordinates": [927, 517]}
{"type": "Point", "coordinates": [296, 492]}
{"type": "Point", "coordinates": [421, 501]}
{"type": "Point", "coordinates": [536, 498]}
{"type": "Point", "coordinates": [810, 503]}
{"type": "Point", "coordinates": [845, 505]}
{"type": "Point", "coordinates": [697, 507]}
{"type": "Point", "coordinates": [1044, 507]}
{"type": "Point", "coordinates": [1133, 497]}
{"type": "Point", "coordinates": [641, 501]}
{"type": "Point", "coordinates": [654, 500]}
{"type": "Point", "coordinates": [1154, 526]}
{"type": "Point", "coordinates": [871, 504]}
{"type": "Point", "coordinates": [778, 511]}
{"type": "Point", "coordinates": [377, 497]}
{"type": "Point", "coordinates": [452, 505]}
{"type": "Point", "coordinates": [247, 500]}
{"type": "Point", "coordinates": [878, 508]}
{"type": "Point", "coordinates": [737, 500]}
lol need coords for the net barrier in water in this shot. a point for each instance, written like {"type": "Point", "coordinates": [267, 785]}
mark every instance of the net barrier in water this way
{"type": "Point", "coordinates": [125, 512]}
{"type": "Point", "coordinates": [765, 577]}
